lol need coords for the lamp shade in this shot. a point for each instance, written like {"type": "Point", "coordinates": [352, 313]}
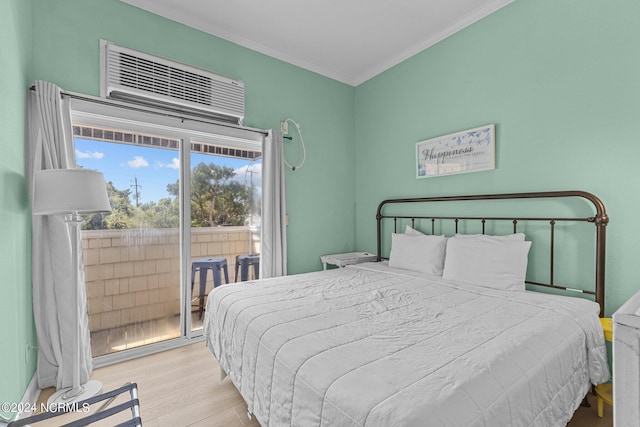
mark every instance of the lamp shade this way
{"type": "Point", "coordinates": [78, 191]}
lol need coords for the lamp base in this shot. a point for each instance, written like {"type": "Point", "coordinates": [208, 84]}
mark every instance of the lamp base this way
{"type": "Point", "coordinates": [65, 396]}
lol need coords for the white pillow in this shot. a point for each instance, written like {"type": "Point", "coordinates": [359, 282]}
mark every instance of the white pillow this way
{"type": "Point", "coordinates": [412, 231]}
{"type": "Point", "coordinates": [418, 253]}
{"type": "Point", "coordinates": [514, 236]}
{"type": "Point", "coordinates": [495, 263]}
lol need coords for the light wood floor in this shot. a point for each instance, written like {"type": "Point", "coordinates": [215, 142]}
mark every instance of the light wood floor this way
{"type": "Point", "coordinates": [181, 387]}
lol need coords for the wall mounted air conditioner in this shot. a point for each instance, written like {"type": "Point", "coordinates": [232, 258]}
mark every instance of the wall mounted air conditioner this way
{"type": "Point", "coordinates": [131, 75]}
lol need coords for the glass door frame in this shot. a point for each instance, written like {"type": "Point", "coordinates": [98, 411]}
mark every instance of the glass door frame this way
{"type": "Point", "coordinates": [100, 113]}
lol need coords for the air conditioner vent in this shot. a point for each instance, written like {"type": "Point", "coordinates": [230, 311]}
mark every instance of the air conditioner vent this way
{"type": "Point", "coordinates": [140, 77]}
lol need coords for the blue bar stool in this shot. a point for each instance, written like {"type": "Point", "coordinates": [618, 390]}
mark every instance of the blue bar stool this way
{"type": "Point", "coordinates": [244, 261]}
{"type": "Point", "coordinates": [203, 265]}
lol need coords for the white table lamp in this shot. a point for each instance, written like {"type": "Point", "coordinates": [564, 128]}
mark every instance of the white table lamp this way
{"type": "Point", "coordinates": [72, 192]}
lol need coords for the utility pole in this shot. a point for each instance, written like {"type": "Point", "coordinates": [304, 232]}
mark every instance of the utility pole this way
{"type": "Point", "coordinates": [136, 191]}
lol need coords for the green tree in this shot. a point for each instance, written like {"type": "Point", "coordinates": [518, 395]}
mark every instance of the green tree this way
{"type": "Point", "coordinates": [121, 211]}
{"type": "Point", "coordinates": [163, 214]}
{"type": "Point", "coordinates": [234, 206]}
{"type": "Point", "coordinates": [216, 200]}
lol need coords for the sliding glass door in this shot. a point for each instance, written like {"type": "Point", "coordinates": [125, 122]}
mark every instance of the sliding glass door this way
{"type": "Point", "coordinates": [185, 201]}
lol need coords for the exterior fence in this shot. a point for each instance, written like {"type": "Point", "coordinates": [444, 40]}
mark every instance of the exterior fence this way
{"type": "Point", "coordinates": [134, 275]}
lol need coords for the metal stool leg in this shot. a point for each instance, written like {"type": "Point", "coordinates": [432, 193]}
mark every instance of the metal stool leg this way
{"type": "Point", "coordinates": [256, 270]}
{"type": "Point", "coordinates": [226, 273]}
{"type": "Point", "coordinates": [244, 270]}
{"type": "Point", "coordinates": [217, 280]}
{"type": "Point", "coordinates": [203, 289]}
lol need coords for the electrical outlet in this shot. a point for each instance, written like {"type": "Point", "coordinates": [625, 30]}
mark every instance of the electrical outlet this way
{"type": "Point", "coordinates": [284, 127]}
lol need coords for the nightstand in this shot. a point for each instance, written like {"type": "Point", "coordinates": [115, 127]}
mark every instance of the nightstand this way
{"type": "Point", "coordinates": [604, 392]}
{"type": "Point", "coordinates": [342, 260]}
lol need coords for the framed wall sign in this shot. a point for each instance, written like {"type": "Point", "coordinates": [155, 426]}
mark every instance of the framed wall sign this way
{"type": "Point", "coordinates": [471, 150]}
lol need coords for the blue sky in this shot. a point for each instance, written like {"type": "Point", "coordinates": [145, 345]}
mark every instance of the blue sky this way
{"type": "Point", "coordinates": [153, 167]}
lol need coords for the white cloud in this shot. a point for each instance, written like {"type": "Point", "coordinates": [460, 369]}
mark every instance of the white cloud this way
{"type": "Point", "coordinates": [175, 164]}
{"type": "Point", "coordinates": [138, 162]}
{"type": "Point", "coordinates": [89, 154]}
{"type": "Point", "coordinates": [244, 176]}
{"type": "Point", "coordinates": [242, 172]}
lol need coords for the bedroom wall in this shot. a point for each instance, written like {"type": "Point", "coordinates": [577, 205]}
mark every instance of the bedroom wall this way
{"type": "Point", "coordinates": [66, 39]}
{"type": "Point", "coordinates": [559, 80]}
{"type": "Point", "coordinates": [17, 330]}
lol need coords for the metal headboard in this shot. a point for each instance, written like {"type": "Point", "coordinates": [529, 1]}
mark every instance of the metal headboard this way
{"type": "Point", "coordinates": [600, 220]}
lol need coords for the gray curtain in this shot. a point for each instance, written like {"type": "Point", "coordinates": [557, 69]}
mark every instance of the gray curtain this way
{"type": "Point", "coordinates": [50, 146]}
{"type": "Point", "coordinates": [273, 244]}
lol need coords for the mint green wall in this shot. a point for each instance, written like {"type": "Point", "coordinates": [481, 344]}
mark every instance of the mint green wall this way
{"type": "Point", "coordinates": [16, 317]}
{"type": "Point", "coordinates": [559, 80]}
{"type": "Point", "coordinates": [319, 196]}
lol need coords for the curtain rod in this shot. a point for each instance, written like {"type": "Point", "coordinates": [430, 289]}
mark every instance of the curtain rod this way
{"type": "Point", "coordinates": [144, 109]}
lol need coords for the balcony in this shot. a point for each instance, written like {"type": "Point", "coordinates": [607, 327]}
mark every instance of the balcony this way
{"type": "Point", "coordinates": [133, 280]}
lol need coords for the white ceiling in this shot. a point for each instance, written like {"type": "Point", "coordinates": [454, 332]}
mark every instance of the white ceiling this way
{"type": "Point", "coordinates": [346, 40]}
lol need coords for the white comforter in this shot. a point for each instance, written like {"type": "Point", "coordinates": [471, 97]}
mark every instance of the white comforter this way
{"type": "Point", "coordinates": [369, 345]}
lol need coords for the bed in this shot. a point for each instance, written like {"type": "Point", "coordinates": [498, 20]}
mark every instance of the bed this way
{"type": "Point", "coordinates": [395, 343]}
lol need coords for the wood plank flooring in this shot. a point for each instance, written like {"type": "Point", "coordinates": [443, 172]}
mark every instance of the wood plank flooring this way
{"type": "Point", "coordinates": [181, 387]}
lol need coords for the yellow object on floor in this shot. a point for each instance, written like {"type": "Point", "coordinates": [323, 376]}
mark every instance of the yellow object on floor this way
{"type": "Point", "coordinates": [607, 327]}
{"type": "Point", "coordinates": [604, 392]}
